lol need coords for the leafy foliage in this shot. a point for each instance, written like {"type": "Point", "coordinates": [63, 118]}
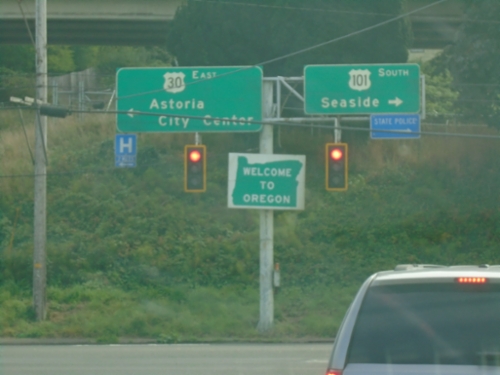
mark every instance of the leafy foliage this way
{"type": "Point", "coordinates": [111, 58]}
{"type": "Point", "coordinates": [132, 241]}
{"type": "Point", "coordinates": [440, 93]}
{"type": "Point", "coordinates": [60, 59]}
{"type": "Point", "coordinates": [17, 68]}
{"type": "Point", "coordinates": [14, 84]}
{"type": "Point", "coordinates": [20, 58]}
{"type": "Point", "coordinates": [134, 228]}
{"type": "Point", "coordinates": [17, 64]}
{"type": "Point", "coordinates": [246, 33]}
{"type": "Point", "coordinates": [473, 60]}
{"type": "Point", "coordinates": [85, 56]}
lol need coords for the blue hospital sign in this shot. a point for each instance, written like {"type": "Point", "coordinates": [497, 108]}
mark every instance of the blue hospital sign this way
{"type": "Point", "coordinates": [125, 150]}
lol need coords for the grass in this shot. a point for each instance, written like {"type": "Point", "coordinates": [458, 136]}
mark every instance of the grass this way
{"type": "Point", "coordinates": [407, 201]}
{"type": "Point", "coordinates": [89, 135]}
{"type": "Point", "coordinates": [174, 314]}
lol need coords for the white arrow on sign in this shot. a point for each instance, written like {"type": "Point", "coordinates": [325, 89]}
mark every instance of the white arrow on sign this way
{"type": "Point", "coordinates": [131, 112]}
{"type": "Point", "coordinates": [403, 131]}
{"type": "Point", "coordinates": [397, 102]}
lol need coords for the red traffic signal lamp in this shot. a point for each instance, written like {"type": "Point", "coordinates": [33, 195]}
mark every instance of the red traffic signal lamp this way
{"type": "Point", "coordinates": [195, 169]}
{"type": "Point", "coordinates": [336, 166]}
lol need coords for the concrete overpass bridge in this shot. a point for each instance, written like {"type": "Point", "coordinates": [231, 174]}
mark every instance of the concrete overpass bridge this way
{"type": "Point", "coordinates": [91, 22]}
{"type": "Point", "coordinates": [145, 22]}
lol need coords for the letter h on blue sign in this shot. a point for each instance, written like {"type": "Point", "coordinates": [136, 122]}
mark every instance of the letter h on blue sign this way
{"type": "Point", "coordinates": [125, 150]}
{"type": "Point", "coordinates": [126, 144]}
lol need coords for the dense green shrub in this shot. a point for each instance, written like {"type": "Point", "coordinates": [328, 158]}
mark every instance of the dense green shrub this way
{"type": "Point", "coordinates": [137, 228]}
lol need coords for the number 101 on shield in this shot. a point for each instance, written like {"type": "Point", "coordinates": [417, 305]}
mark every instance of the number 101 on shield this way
{"type": "Point", "coordinates": [362, 89]}
{"type": "Point", "coordinates": [360, 79]}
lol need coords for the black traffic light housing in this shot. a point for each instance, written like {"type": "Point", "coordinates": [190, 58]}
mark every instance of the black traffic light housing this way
{"type": "Point", "coordinates": [195, 168]}
{"type": "Point", "coordinates": [336, 166]}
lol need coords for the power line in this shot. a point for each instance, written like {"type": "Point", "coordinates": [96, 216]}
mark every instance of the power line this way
{"type": "Point", "coordinates": [5, 88]}
{"type": "Point", "coordinates": [26, 23]}
{"type": "Point", "coordinates": [116, 169]}
{"type": "Point", "coordinates": [326, 10]}
{"type": "Point", "coordinates": [458, 100]}
{"type": "Point", "coordinates": [308, 126]}
{"type": "Point", "coordinates": [477, 84]}
{"type": "Point", "coordinates": [82, 171]}
{"type": "Point", "coordinates": [301, 51]}
{"type": "Point", "coordinates": [285, 7]}
{"type": "Point", "coordinates": [284, 123]}
{"type": "Point", "coordinates": [54, 76]}
{"type": "Point", "coordinates": [289, 124]}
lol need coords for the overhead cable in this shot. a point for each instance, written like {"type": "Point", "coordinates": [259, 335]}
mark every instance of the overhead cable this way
{"type": "Point", "coordinates": [301, 51]}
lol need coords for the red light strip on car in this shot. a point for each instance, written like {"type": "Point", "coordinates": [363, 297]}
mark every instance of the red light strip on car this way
{"type": "Point", "coordinates": [472, 280]}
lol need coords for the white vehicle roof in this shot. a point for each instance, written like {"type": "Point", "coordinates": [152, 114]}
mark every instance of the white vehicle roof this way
{"type": "Point", "coordinates": [420, 273]}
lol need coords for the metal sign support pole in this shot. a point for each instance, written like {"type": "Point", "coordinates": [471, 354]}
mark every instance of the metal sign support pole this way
{"type": "Point", "coordinates": [337, 130]}
{"type": "Point", "coordinates": [55, 92]}
{"type": "Point", "coordinates": [40, 213]}
{"type": "Point", "coordinates": [423, 108]}
{"type": "Point", "coordinates": [266, 225]}
{"type": "Point", "coordinates": [81, 98]}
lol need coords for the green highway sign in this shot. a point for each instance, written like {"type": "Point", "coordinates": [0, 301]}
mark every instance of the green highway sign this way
{"type": "Point", "coordinates": [208, 99]}
{"type": "Point", "coordinates": [362, 89]}
{"type": "Point", "coordinates": [270, 182]}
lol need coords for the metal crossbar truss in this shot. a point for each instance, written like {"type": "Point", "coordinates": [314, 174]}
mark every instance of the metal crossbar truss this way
{"type": "Point", "coordinates": [286, 87]}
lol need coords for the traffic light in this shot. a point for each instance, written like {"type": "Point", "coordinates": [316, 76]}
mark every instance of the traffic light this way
{"type": "Point", "coordinates": [336, 166]}
{"type": "Point", "coordinates": [195, 169]}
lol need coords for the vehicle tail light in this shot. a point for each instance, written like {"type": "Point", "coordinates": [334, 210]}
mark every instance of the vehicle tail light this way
{"type": "Point", "coordinates": [472, 280]}
{"type": "Point", "coordinates": [333, 372]}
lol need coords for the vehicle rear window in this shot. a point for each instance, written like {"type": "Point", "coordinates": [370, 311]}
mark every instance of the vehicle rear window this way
{"type": "Point", "coordinates": [428, 324]}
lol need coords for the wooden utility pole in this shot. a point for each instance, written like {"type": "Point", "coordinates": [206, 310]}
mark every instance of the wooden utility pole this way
{"type": "Point", "coordinates": [40, 214]}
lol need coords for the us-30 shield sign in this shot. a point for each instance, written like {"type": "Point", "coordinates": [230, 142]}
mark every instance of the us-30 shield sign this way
{"type": "Point", "coordinates": [174, 82]}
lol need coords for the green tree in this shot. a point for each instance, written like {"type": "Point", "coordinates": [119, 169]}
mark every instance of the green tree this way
{"type": "Point", "coordinates": [440, 93]}
{"type": "Point", "coordinates": [17, 71]}
{"type": "Point", "coordinates": [85, 56]}
{"type": "Point", "coordinates": [17, 68]}
{"type": "Point", "coordinates": [112, 58]}
{"type": "Point", "coordinates": [13, 83]}
{"type": "Point", "coordinates": [60, 59]}
{"type": "Point", "coordinates": [21, 58]}
{"type": "Point", "coordinates": [234, 32]}
{"type": "Point", "coordinates": [473, 60]}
